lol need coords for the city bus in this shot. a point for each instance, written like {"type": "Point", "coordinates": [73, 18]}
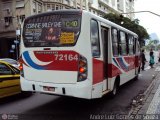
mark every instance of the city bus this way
{"type": "Point", "coordinates": [76, 53]}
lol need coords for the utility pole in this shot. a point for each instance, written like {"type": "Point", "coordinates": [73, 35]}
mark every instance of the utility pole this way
{"type": "Point", "coordinates": [18, 34]}
{"type": "Point", "coordinates": [17, 41]}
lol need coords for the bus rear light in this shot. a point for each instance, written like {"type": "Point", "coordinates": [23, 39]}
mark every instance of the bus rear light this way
{"type": "Point", "coordinates": [82, 77]}
{"type": "Point", "coordinates": [82, 69]}
{"type": "Point", "coordinates": [83, 72]}
{"type": "Point", "coordinates": [82, 63]}
{"type": "Point", "coordinates": [21, 70]}
{"type": "Point", "coordinates": [21, 66]}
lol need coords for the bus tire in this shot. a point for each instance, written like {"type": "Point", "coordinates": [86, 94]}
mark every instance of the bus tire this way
{"type": "Point", "coordinates": [115, 88]}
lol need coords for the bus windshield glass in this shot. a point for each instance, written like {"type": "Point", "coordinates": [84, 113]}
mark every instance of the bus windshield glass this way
{"type": "Point", "coordinates": [51, 30]}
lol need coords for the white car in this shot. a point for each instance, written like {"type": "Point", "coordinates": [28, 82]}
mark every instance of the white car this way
{"type": "Point", "coordinates": [11, 61]}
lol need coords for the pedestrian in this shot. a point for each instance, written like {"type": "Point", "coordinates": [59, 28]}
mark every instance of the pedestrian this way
{"type": "Point", "coordinates": [151, 62]}
{"type": "Point", "coordinates": [159, 56]}
{"type": "Point", "coordinates": [143, 59]}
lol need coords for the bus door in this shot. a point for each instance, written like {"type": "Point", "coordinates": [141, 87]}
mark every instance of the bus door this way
{"type": "Point", "coordinates": [104, 37]}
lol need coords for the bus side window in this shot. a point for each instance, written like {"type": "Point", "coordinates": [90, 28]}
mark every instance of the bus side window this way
{"type": "Point", "coordinates": [131, 44]}
{"type": "Point", "coordinates": [123, 43]}
{"type": "Point", "coordinates": [137, 46]}
{"type": "Point", "coordinates": [95, 46]}
{"type": "Point", "coordinates": [115, 42]}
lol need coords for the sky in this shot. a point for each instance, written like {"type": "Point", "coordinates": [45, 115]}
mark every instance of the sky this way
{"type": "Point", "coordinates": [149, 21]}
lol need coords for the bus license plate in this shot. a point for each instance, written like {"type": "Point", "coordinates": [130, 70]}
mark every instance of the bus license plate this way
{"type": "Point", "coordinates": [46, 88]}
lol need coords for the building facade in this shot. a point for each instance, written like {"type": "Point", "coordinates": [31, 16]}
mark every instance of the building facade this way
{"type": "Point", "coordinates": [13, 12]}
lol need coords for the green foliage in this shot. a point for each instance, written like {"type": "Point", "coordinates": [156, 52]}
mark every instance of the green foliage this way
{"type": "Point", "coordinates": [131, 25]}
{"type": "Point", "coordinates": [153, 44]}
{"type": "Point", "coordinates": [156, 41]}
{"type": "Point", "coordinates": [158, 47]}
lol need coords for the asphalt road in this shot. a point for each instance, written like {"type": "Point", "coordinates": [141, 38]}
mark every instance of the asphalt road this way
{"type": "Point", "coordinates": [40, 106]}
{"type": "Point", "coordinates": [48, 107]}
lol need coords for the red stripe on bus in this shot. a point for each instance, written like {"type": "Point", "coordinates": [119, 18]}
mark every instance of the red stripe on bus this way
{"type": "Point", "coordinates": [113, 71]}
{"type": "Point", "coordinates": [97, 71]}
{"type": "Point", "coordinates": [98, 74]}
{"type": "Point", "coordinates": [57, 60]}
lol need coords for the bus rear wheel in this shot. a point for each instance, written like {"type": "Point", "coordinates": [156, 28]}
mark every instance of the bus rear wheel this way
{"type": "Point", "coordinates": [115, 89]}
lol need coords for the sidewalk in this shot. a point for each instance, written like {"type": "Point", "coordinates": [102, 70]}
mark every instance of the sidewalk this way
{"type": "Point", "coordinates": [152, 103]}
{"type": "Point", "coordinates": [148, 103]}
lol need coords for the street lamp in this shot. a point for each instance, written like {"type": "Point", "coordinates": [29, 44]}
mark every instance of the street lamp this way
{"type": "Point", "coordinates": [121, 15]}
{"type": "Point", "coordinates": [142, 12]}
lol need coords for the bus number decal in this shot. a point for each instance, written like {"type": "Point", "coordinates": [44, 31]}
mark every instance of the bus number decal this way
{"type": "Point", "coordinates": [66, 57]}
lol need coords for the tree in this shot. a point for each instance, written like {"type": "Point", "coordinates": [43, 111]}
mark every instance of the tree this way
{"type": "Point", "coordinates": [131, 25]}
{"type": "Point", "coordinates": [158, 46]}
{"type": "Point", "coordinates": [156, 41]}
{"type": "Point", "coordinates": [153, 44]}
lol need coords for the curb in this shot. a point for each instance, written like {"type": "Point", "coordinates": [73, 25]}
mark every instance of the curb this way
{"type": "Point", "coordinates": [140, 100]}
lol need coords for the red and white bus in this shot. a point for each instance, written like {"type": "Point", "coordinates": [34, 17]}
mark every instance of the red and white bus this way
{"type": "Point", "coordinates": [76, 53]}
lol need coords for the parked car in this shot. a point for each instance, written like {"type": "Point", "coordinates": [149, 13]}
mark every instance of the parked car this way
{"type": "Point", "coordinates": [9, 79]}
{"type": "Point", "coordinates": [11, 61]}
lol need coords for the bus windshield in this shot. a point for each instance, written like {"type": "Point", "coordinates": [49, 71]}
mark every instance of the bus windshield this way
{"type": "Point", "coordinates": [51, 30]}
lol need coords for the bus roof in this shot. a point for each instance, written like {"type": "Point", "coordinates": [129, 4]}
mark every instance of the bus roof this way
{"type": "Point", "coordinates": [109, 22]}
{"type": "Point", "coordinates": [68, 11]}
{"type": "Point", "coordinates": [78, 11]}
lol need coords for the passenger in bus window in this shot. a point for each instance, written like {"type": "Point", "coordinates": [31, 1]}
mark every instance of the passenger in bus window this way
{"type": "Point", "coordinates": [151, 62]}
{"type": "Point", "coordinates": [159, 56]}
